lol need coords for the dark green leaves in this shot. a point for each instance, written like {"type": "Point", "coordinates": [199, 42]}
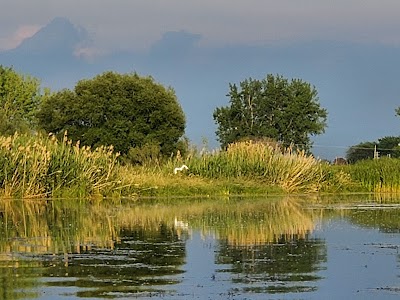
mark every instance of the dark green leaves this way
{"type": "Point", "coordinates": [288, 112]}
{"type": "Point", "coordinates": [123, 110]}
{"type": "Point", "coordinates": [386, 146]}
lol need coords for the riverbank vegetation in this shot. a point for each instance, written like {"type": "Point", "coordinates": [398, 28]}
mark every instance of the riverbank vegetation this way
{"type": "Point", "coordinates": [126, 138]}
{"type": "Point", "coordinates": [40, 166]}
{"type": "Point", "coordinates": [375, 175]}
{"type": "Point", "coordinates": [43, 166]}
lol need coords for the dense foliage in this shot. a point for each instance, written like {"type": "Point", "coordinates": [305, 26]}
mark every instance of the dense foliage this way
{"type": "Point", "coordinates": [360, 151]}
{"type": "Point", "coordinates": [123, 110]}
{"type": "Point", "coordinates": [386, 146]}
{"type": "Point", "coordinates": [287, 111]}
{"type": "Point", "coordinates": [19, 99]}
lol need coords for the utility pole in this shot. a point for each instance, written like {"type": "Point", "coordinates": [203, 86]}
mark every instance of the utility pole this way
{"type": "Point", "coordinates": [376, 153]}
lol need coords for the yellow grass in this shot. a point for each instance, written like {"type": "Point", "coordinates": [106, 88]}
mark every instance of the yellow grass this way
{"type": "Point", "coordinates": [293, 171]}
{"type": "Point", "coordinates": [36, 166]}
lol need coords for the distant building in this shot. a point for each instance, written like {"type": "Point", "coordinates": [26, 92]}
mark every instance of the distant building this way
{"type": "Point", "coordinates": [339, 161]}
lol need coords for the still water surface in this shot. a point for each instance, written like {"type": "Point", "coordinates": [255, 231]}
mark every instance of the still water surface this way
{"type": "Point", "coordinates": [343, 247]}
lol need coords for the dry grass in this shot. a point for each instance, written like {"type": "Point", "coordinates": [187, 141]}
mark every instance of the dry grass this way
{"type": "Point", "coordinates": [36, 166]}
{"type": "Point", "coordinates": [293, 171]}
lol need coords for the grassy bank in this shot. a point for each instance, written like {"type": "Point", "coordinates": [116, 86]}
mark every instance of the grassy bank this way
{"type": "Point", "coordinates": [244, 168]}
{"type": "Point", "coordinates": [41, 166]}
{"type": "Point", "coordinates": [378, 175]}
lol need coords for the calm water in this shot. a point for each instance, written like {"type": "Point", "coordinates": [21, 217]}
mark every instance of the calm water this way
{"type": "Point", "coordinates": [285, 248]}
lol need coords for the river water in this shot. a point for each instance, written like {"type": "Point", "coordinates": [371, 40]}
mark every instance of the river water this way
{"type": "Point", "coordinates": [337, 247]}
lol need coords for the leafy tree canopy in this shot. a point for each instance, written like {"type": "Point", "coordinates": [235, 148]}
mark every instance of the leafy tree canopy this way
{"type": "Point", "coordinates": [360, 151]}
{"type": "Point", "coordinates": [123, 110]}
{"type": "Point", "coordinates": [397, 110]}
{"type": "Point", "coordinates": [386, 146]}
{"type": "Point", "coordinates": [286, 111]}
{"type": "Point", "coordinates": [19, 100]}
{"type": "Point", "coordinates": [389, 146]}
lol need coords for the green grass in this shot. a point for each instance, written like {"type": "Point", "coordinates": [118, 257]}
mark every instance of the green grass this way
{"type": "Point", "coordinates": [378, 175]}
{"type": "Point", "coordinates": [42, 166]}
{"type": "Point", "coordinates": [291, 171]}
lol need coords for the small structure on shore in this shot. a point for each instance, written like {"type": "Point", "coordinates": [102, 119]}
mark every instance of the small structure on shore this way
{"type": "Point", "coordinates": [339, 161]}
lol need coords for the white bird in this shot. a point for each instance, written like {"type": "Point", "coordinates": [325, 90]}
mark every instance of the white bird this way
{"type": "Point", "coordinates": [180, 224]}
{"type": "Point", "coordinates": [181, 169]}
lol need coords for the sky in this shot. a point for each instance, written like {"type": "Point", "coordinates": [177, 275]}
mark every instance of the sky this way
{"type": "Point", "coordinates": [126, 24]}
{"type": "Point", "coordinates": [346, 48]}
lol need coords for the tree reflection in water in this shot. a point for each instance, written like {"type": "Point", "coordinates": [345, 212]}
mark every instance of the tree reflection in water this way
{"type": "Point", "coordinates": [138, 262]}
{"type": "Point", "coordinates": [282, 267]}
{"type": "Point", "coordinates": [122, 249]}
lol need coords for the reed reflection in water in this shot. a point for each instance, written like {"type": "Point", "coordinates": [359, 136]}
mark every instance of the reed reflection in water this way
{"type": "Point", "coordinates": [122, 249]}
{"type": "Point", "coordinates": [267, 247]}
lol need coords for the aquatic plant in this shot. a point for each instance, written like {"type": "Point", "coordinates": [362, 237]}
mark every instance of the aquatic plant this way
{"type": "Point", "coordinates": [37, 166]}
{"type": "Point", "coordinates": [293, 171]}
{"type": "Point", "coordinates": [376, 175]}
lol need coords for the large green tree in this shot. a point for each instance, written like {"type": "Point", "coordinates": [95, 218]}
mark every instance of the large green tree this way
{"type": "Point", "coordinates": [123, 110]}
{"type": "Point", "coordinates": [286, 111]}
{"type": "Point", "coordinates": [20, 97]}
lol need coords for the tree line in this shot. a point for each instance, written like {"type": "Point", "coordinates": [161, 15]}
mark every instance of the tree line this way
{"type": "Point", "coordinates": [141, 118]}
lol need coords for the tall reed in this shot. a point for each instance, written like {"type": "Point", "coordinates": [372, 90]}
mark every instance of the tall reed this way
{"type": "Point", "coordinates": [289, 169]}
{"type": "Point", "coordinates": [33, 166]}
{"type": "Point", "coordinates": [378, 175]}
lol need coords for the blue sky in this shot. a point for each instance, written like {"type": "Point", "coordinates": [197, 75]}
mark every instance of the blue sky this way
{"type": "Point", "coordinates": [347, 49]}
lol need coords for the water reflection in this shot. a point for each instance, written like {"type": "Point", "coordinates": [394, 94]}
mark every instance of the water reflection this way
{"type": "Point", "coordinates": [266, 245]}
{"type": "Point", "coordinates": [287, 266]}
{"type": "Point", "coordinates": [136, 263]}
{"type": "Point", "coordinates": [385, 219]}
{"type": "Point", "coordinates": [129, 249]}
{"type": "Point", "coordinates": [248, 223]}
{"type": "Point", "coordinates": [98, 246]}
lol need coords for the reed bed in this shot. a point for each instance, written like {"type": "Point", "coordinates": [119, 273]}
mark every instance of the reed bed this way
{"type": "Point", "coordinates": [378, 175]}
{"type": "Point", "coordinates": [42, 166]}
{"type": "Point", "coordinates": [293, 171]}
{"type": "Point", "coordinates": [37, 166]}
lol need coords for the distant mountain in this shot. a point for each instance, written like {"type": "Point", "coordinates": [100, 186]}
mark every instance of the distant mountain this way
{"type": "Point", "coordinates": [59, 36]}
{"type": "Point", "coordinates": [48, 51]}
